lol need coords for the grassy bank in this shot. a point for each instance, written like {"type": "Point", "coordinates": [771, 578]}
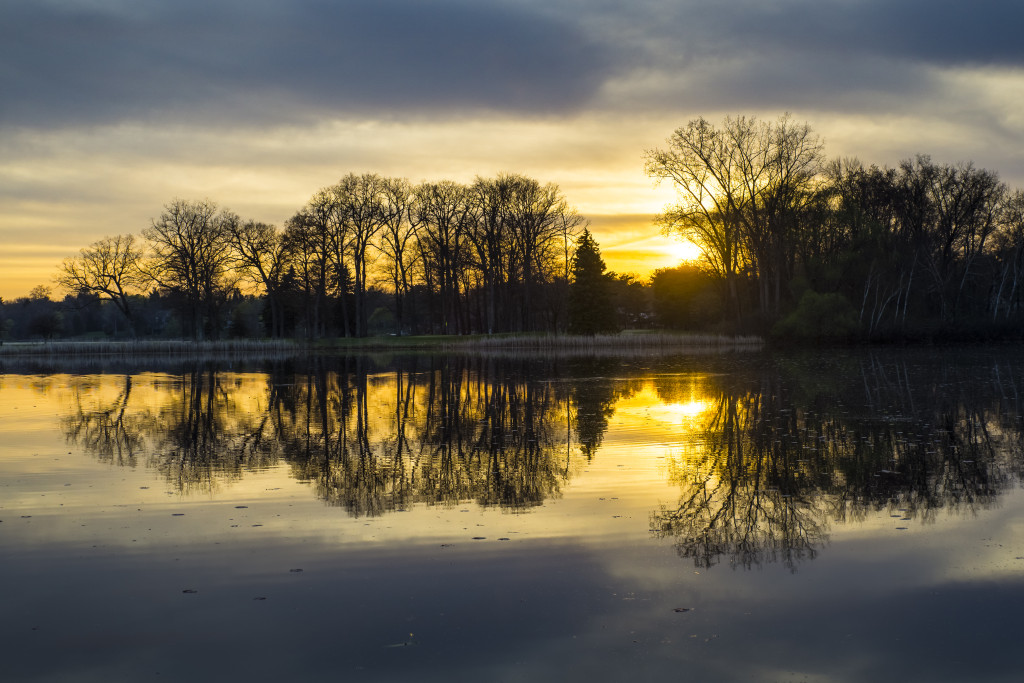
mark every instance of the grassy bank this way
{"type": "Point", "coordinates": [609, 343]}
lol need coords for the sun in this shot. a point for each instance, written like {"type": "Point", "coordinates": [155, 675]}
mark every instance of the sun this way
{"type": "Point", "coordinates": [683, 250]}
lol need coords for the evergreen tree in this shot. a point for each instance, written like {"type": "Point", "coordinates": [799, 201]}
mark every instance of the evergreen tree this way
{"type": "Point", "coordinates": [590, 306]}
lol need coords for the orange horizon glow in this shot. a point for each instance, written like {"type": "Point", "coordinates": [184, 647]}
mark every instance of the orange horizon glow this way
{"type": "Point", "coordinates": [629, 244]}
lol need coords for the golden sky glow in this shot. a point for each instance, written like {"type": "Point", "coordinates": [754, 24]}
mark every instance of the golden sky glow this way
{"type": "Point", "coordinates": [99, 130]}
{"type": "Point", "coordinates": [115, 180]}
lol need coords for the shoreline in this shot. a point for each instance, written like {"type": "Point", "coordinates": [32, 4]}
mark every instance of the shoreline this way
{"type": "Point", "coordinates": [626, 342]}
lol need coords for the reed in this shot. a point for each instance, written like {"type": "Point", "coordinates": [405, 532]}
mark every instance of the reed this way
{"type": "Point", "coordinates": [150, 347]}
{"type": "Point", "coordinates": [649, 342]}
{"type": "Point", "coordinates": [602, 342]}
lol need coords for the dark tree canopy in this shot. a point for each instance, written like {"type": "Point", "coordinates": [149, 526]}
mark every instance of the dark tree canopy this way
{"type": "Point", "coordinates": [590, 307]}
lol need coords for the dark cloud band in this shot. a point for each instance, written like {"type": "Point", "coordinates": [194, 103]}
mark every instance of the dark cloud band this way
{"type": "Point", "coordinates": [65, 62]}
{"type": "Point", "coordinates": [257, 60]}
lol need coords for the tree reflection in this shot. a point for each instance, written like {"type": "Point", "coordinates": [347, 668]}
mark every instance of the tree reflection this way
{"type": "Point", "coordinates": [594, 394]}
{"type": "Point", "coordinates": [455, 430]}
{"type": "Point", "coordinates": [105, 428]}
{"type": "Point", "coordinates": [788, 450]}
{"type": "Point", "coordinates": [439, 431]}
{"type": "Point", "coordinates": [773, 452]}
{"type": "Point", "coordinates": [193, 428]}
{"type": "Point", "coordinates": [206, 432]}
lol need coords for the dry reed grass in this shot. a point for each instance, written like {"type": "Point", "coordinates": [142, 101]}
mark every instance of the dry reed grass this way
{"type": "Point", "coordinates": [604, 342]}
{"type": "Point", "coordinates": [656, 342]}
{"type": "Point", "coordinates": [149, 347]}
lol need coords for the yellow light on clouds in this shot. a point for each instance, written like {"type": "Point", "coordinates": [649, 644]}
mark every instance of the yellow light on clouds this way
{"type": "Point", "coordinates": [633, 244]}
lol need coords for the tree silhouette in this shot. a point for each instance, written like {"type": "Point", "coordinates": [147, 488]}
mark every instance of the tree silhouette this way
{"type": "Point", "coordinates": [191, 256]}
{"type": "Point", "coordinates": [108, 268]}
{"type": "Point", "coordinates": [590, 307]}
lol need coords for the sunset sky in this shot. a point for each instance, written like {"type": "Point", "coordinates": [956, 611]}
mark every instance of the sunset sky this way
{"type": "Point", "coordinates": [109, 109]}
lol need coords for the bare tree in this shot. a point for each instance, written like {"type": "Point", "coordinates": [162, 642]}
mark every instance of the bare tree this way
{"type": "Point", "coordinates": [535, 215]}
{"type": "Point", "coordinates": [966, 203]}
{"type": "Point", "coordinates": [308, 241]}
{"type": "Point", "coordinates": [398, 240]}
{"type": "Point", "coordinates": [260, 252]}
{"type": "Point", "coordinates": [362, 209]}
{"type": "Point", "coordinates": [489, 236]}
{"type": "Point", "coordinates": [701, 163]}
{"type": "Point", "coordinates": [1009, 245]}
{"type": "Point", "coordinates": [191, 256]}
{"type": "Point", "coordinates": [741, 189]}
{"type": "Point", "coordinates": [445, 212]}
{"type": "Point", "coordinates": [108, 268]}
{"type": "Point", "coordinates": [520, 237]}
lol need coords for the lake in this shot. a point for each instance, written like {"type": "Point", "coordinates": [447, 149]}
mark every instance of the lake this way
{"type": "Point", "coordinates": [845, 516]}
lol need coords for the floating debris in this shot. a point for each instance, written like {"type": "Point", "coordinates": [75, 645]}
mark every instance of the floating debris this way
{"type": "Point", "coordinates": [682, 609]}
{"type": "Point", "coordinates": [190, 590]}
{"type": "Point", "coordinates": [408, 643]}
{"type": "Point", "coordinates": [295, 571]}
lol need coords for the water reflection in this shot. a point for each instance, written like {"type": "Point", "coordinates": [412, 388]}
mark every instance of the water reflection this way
{"type": "Point", "coordinates": [103, 429]}
{"type": "Point", "coordinates": [786, 451]}
{"type": "Point", "coordinates": [768, 454]}
{"type": "Point", "coordinates": [197, 429]}
{"type": "Point", "coordinates": [439, 431]}
{"type": "Point", "coordinates": [456, 430]}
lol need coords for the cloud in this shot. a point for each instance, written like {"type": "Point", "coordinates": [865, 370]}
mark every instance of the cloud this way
{"type": "Point", "coordinates": [937, 32]}
{"type": "Point", "coordinates": [195, 60]}
{"type": "Point", "coordinates": [109, 108]}
{"type": "Point", "coordinates": [256, 62]}
{"type": "Point", "coordinates": [838, 55]}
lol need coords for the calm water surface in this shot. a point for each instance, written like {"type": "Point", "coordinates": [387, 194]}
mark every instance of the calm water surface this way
{"type": "Point", "coordinates": [855, 516]}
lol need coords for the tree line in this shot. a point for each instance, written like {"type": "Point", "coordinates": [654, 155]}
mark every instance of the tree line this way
{"type": "Point", "coordinates": [793, 245]}
{"type": "Point", "coordinates": [365, 255]}
{"type": "Point", "coordinates": [804, 246]}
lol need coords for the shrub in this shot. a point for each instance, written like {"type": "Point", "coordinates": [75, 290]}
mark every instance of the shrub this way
{"type": "Point", "coordinates": [818, 317]}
